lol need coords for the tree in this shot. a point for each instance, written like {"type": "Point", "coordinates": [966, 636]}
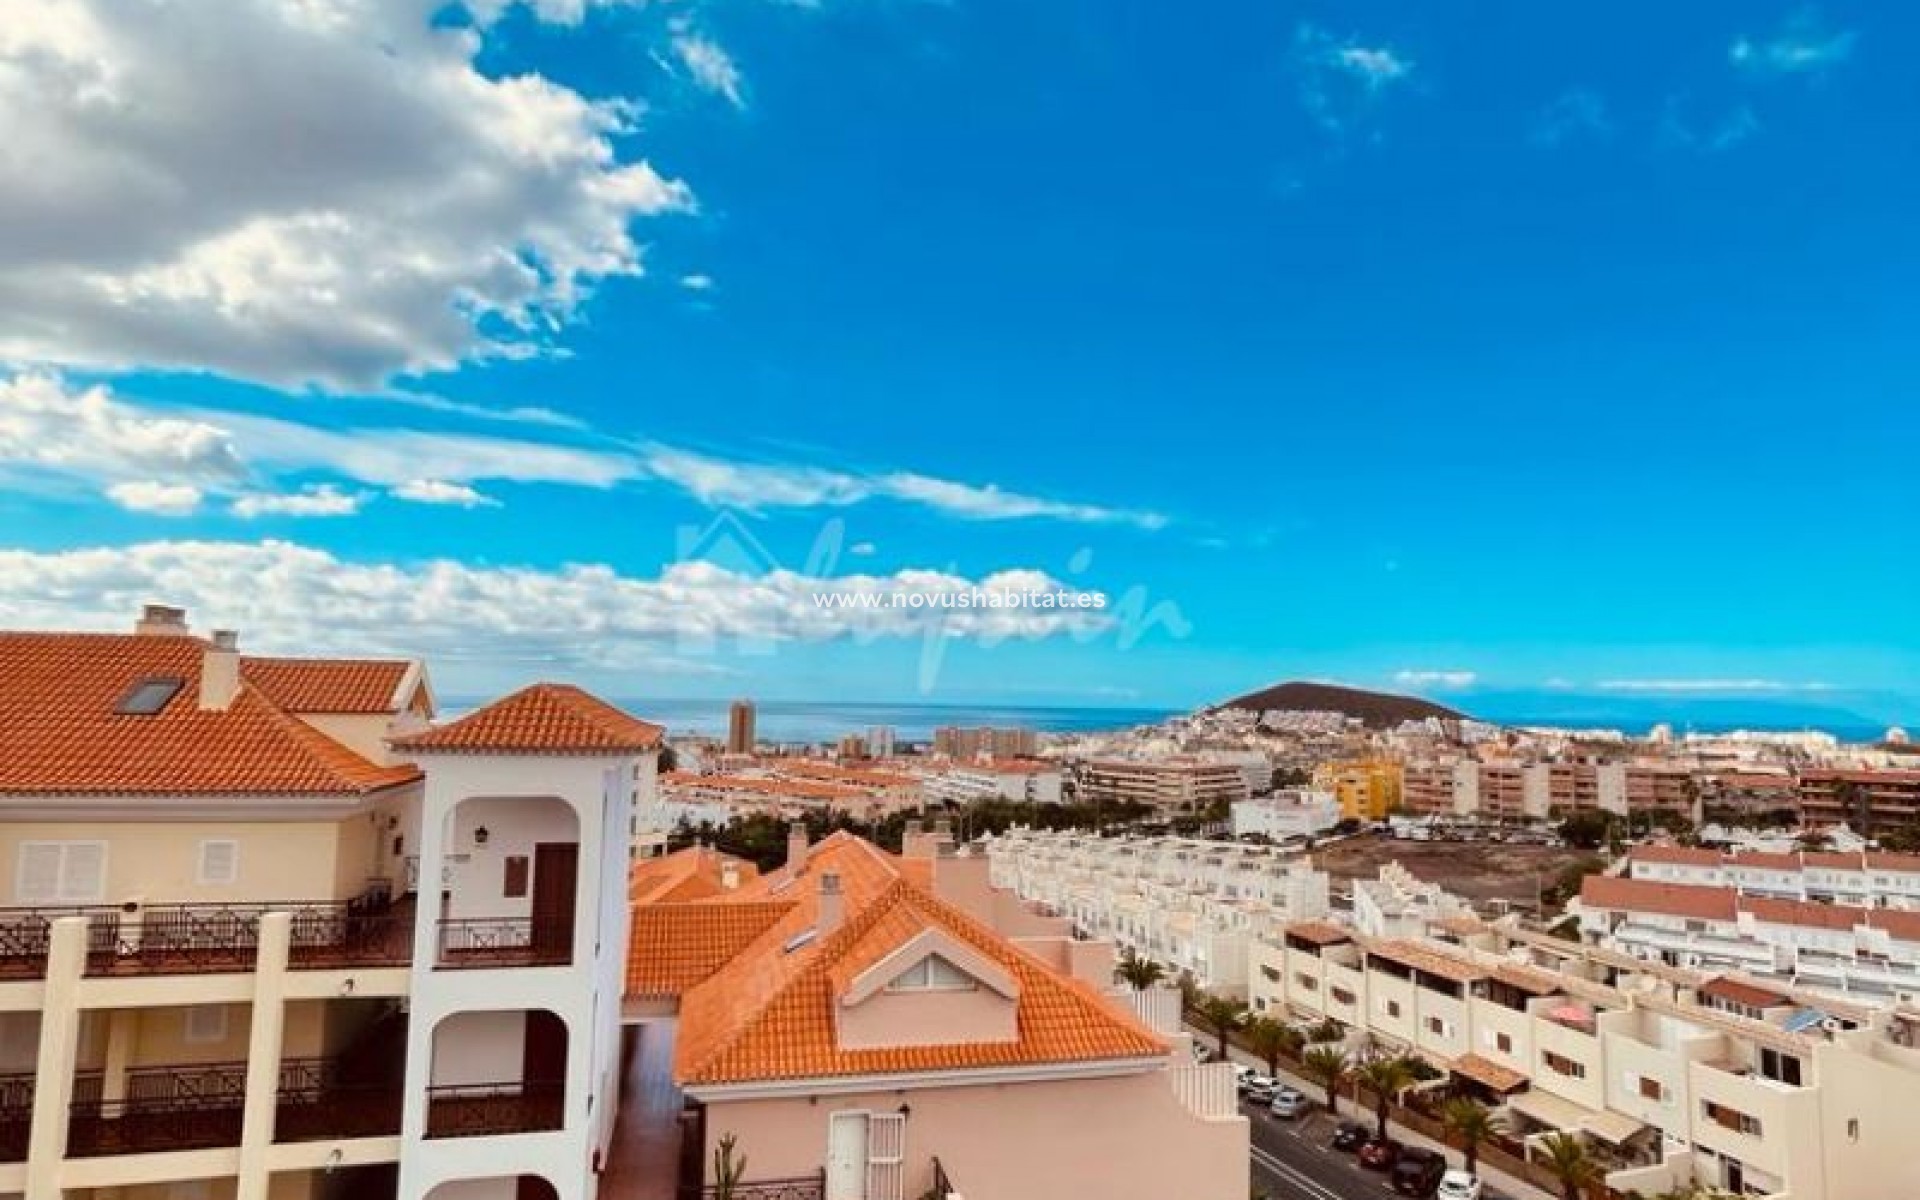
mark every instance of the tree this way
{"type": "Point", "coordinates": [1136, 972]}
{"type": "Point", "coordinates": [1588, 829]}
{"type": "Point", "coordinates": [1473, 1123]}
{"type": "Point", "coordinates": [1220, 1015]}
{"type": "Point", "coordinates": [1327, 1065]}
{"type": "Point", "coordinates": [1386, 1076]}
{"type": "Point", "coordinates": [728, 1168]}
{"type": "Point", "coordinates": [1269, 1039]}
{"type": "Point", "coordinates": [1567, 1159]}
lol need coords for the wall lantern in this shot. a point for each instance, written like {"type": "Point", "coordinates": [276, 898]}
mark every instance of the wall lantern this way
{"type": "Point", "coordinates": [480, 836]}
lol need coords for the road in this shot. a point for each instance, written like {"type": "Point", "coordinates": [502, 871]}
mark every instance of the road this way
{"type": "Point", "coordinates": [1292, 1160]}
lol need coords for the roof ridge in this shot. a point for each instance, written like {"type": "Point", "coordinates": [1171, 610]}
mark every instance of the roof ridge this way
{"type": "Point", "coordinates": [329, 754]}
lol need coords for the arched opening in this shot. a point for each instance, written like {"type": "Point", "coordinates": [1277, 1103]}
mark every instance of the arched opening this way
{"type": "Point", "coordinates": [510, 882]}
{"type": "Point", "coordinates": [498, 1187]}
{"type": "Point", "coordinates": [497, 1072]}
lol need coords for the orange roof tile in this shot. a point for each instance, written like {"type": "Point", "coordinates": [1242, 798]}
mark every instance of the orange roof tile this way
{"type": "Point", "coordinates": [673, 947]}
{"type": "Point", "coordinates": [1486, 1071]}
{"type": "Point", "coordinates": [1645, 895]}
{"type": "Point", "coordinates": [1427, 960]}
{"type": "Point", "coordinates": [1319, 933]}
{"type": "Point", "coordinates": [60, 735]}
{"type": "Point", "coordinates": [546, 718]}
{"type": "Point", "coordinates": [768, 1014]}
{"type": "Point", "coordinates": [695, 873]}
{"type": "Point", "coordinates": [1687, 855]}
{"type": "Point", "coordinates": [329, 685]}
{"type": "Point", "coordinates": [1725, 988]}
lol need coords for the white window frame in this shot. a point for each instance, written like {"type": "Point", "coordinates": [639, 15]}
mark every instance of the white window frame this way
{"type": "Point", "coordinates": [64, 889]}
{"type": "Point", "coordinates": [920, 977]}
{"type": "Point", "coordinates": [192, 1029]}
{"type": "Point", "coordinates": [204, 877]}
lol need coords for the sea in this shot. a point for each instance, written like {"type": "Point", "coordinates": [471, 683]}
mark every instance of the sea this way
{"type": "Point", "coordinates": [805, 721]}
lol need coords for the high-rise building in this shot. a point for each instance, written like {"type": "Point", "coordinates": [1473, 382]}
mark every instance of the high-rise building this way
{"type": "Point", "coordinates": [740, 738]}
{"type": "Point", "coordinates": [880, 740]}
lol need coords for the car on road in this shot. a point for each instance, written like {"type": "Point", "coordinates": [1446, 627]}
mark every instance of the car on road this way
{"type": "Point", "coordinates": [1418, 1172]}
{"type": "Point", "coordinates": [1350, 1135]}
{"type": "Point", "coordinates": [1458, 1185]}
{"type": "Point", "coordinates": [1258, 1088]}
{"type": "Point", "coordinates": [1288, 1103]}
{"type": "Point", "coordinates": [1379, 1154]}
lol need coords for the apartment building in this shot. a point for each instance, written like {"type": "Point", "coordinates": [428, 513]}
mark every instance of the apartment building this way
{"type": "Point", "coordinates": [863, 1026]}
{"type": "Point", "coordinates": [1196, 907]}
{"type": "Point", "coordinates": [278, 936]}
{"type": "Point", "coordinates": [1367, 790]}
{"type": "Point", "coordinates": [1869, 878]}
{"type": "Point", "coordinates": [1287, 814]}
{"type": "Point", "coordinates": [957, 742]}
{"type": "Point", "coordinates": [741, 736]}
{"type": "Point", "coordinates": [1169, 785]}
{"type": "Point", "coordinates": [1668, 1076]}
{"type": "Point", "coordinates": [1865, 800]}
{"type": "Point", "coordinates": [1396, 903]}
{"type": "Point", "coordinates": [1023, 780]}
{"type": "Point", "coordinates": [1534, 791]}
{"type": "Point", "coordinates": [1440, 788]}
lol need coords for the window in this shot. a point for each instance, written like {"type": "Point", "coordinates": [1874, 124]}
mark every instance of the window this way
{"type": "Point", "coordinates": [1270, 974]}
{"type": "Point", "coordinates": [1652, 1089]}
{"type": "Point", "coordinates": [1503, 1042]}
{"type": "Point", "coordinates": [61, 872]}
{"type": "Point", "coordinates": [1560, 1064]}
{"type": "Point", "coordinates": [147, 696]}
{"type": "Point", "coordinates": [1307, 982]}
{"type": "Point", "coordinates": [1731, 1118]}
{"type": "Point", "coordinates": [1438, 1027]}
{"type": "Point", "coordinates": [219, 861]}
{"type": "Point", "coordinates": [1782, 1068]}
{"type": "Point", "coordinates": [206, 1023]}
{"type": "Point", "coordinates": [514, 885]}
{"type": "Point", "coordinates": [1390, 1007]}
{"type": "Point", "coordinates": [1343, 996]}
{"type": "Point", "coordinates": [932, 974]}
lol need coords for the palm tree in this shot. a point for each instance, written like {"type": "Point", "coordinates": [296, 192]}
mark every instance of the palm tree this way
{"type": "Point", "coordinates": [1220, 1015]}
{"type": "Point", "coordinates": [1386, 1076]}
{"type": "Point", "coordinates": [1327, 1065]}
{"type": "Point", "coordinates": [1270, 1040]}
{"type": "Point", "coordinates": [1473, 1123]}
{"type": "Point", "coordinates": [1138, 973]}
{"type": "Point", "coordinates": [1567, 1159]}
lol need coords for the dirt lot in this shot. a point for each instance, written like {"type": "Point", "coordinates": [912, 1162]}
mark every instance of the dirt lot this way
{"type": "Point", "coordinates": [1477, 871]}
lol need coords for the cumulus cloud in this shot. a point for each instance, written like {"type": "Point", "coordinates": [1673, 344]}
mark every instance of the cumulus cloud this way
{"type": "Point", "coordinates": [289, 597]}
{"type": "Point", "coordinates": [1803, 45]}
{"type": "Point", "coordinates": [711, 67]}
{"type": "Point", "coordinates": [697, 282]}
{"type": "Point", "coordinates": [439, 491]}
{"type": "Point", "coordinates": [160, 499]}
{"type": "Point", "coordinates": [47, 424]}
{"type": "Point", "coordinates": [155, 211]}
{"type": "Point", "coordinates": [1341, 80]}
{"type": "Point", "coordinates": [321, 500]}
{"type": "Point", "coordinates": [1435, 679]}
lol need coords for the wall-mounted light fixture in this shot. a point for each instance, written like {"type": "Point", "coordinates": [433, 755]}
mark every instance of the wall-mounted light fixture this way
{"type": "Point", "coordinates": [480, 836]}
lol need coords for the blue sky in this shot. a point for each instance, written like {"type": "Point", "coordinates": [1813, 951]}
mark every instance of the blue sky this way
{"type": "Point", "coordinates": [1542, 353]}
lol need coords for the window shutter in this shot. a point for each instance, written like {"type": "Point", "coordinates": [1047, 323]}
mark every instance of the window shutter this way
{"type": "Point", "coordinates": [219, 861]}
{"type": "Point", "coordinates": [207, 1023]}
{"type": "Point", "coordinates": [886, 1155]}
{"type": "Point", "coordinates": [83, 877]}
{"type": "Point", "coordinates": [39, 879]}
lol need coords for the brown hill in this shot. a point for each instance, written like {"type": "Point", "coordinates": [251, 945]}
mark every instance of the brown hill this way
{"type": "Point", "coordinates": [1378, 710]}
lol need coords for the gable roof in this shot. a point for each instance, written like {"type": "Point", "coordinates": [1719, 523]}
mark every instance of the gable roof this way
{"type": "Point", "coordinates": [768, 1013]}
{"type": "Point", "coordinates": [673, 947]}
{"type": "Point", "coordinates": [546, 718]}
{"type": "Point", "coordinates": [1671, 899]}
{"type": "Point", "coordinates": [694, 873]}
{"type": "Point", "coordinates": [61, 736]}
{"type": "Point", "coordinates": [331, 685]}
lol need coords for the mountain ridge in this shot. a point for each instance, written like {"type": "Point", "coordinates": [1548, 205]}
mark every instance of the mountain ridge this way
{"type": "Point", "coordinates": [1377, 710]}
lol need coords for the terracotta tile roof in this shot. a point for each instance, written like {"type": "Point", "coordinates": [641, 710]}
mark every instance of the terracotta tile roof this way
{"type": "Point", "coordinates": [760, 785]}
{"type": "Point", "coordinates": [329, 685]}
{"type": "Point", "coordinates": [1884, 861]}
{"type": "Point", "coordinates": [60, 735]}
{"type": "Point", "coordinates": [695, 873]}
{"type": "Point", "coordinates": [546, 718]}
{"type": "Point", "coordinates": [1671, 899]}
{"type": "Point", "coordinates": [769, 1013]}
{"type": "Point", "coordinates": [673, 947]}
{"type": "Point", "coordinates": [1528, 979]}
{"type": "Point", "coordinates": [1764, 860]}
{"type": "Point", "coordinates": [1486, 1071]}
{"type": "Point", "coordinates": [1684, 855]}
{"type": "Point", "coordinates": [1319, 933]}
{"type": "Point", "coordinates": [1427, 961]}
{"type": "Point", "coordinates": [1725, 988]}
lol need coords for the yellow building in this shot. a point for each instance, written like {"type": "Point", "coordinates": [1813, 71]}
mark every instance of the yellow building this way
{"type": "Point", "coordinates": [1367, 790]}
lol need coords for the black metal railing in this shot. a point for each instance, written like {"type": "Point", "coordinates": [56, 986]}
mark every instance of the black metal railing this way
{"type": "Point", "coordinates": [802, 1187]}
{"type": "Point", "coordinates": [25, 935]}
{"type": "Point", "coordinates": [372, 930]}
{"type": "Point", "coordinates": [162, 1108]}
{"type": "Point", "coordinates": [485, 1109]}
{"type": "Point", "coordinates": [16, 1115]}
{"type": "Point", "coordinates": [316, 1104]}
{"type": "Point", "coordinates": [505, 941]}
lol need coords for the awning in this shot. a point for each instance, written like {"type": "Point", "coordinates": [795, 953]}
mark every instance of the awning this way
{"type": "Point", "coordinates": [1487, 1073]}
{"type": "Point", "coordinates": [1611, 1127]}
{"type": "Point", "coordinates": [1549, 1110]}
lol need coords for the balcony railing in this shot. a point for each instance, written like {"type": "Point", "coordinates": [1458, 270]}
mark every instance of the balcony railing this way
{"type": "Point", "coordinates": [163, 1108]}
{"type": "Point", "coordinates": [505, 942]}
{"type": "Point", "coordinates": [490, 1109]}
{"type": "Point", "coordinates": [801, 1187]}
{"type": "Point", "coordinates": [315, 1104]}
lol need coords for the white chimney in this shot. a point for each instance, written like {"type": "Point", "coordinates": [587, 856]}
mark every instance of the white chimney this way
{"type": "Point", "coordinates": [796, 847]}
{"type": "Point", "coordinates": [161, 620]}
{"type": "Point", "coordinates": [220, 671]}
{"type": "Point", "coordinates": [729, 875]}
{"type": "Point", "coordinates": [832, 904]}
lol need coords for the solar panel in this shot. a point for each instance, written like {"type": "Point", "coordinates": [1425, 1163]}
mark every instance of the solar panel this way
{"type": "Point", "coordinates": [148, 696]}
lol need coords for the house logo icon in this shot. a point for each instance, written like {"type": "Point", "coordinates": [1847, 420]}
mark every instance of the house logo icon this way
{"type": "Point", "coordinates": [726, 543]}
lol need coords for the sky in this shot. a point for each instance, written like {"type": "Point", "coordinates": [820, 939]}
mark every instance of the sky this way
{"type": "Point", "coordinates": [1535, 351]}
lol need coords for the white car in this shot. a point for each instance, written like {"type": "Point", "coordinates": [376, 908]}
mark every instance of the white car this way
{"type": "Point", "coordinates": [1458, 1185]}
{"type": "Point", "coordinates": [1258, 1088]}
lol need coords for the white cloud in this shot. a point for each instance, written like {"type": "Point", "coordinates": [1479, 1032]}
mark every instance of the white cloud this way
{"type": "Point", "coordinates": [1576, 113]}
{"type": "Point", "coordinates": [711, 67]}
{"type": "Point", "coordinates": [322, 500]}
{"type": "Point", "coordinates": [1340, 81]}
{"type": "Point", "coordinates": [48, 425]}
{"type": "Point", "coordinates": [439, 491]}
{"type": "Point", "coordinates": [155, 212]}
{"type": "Point", "coordinates": [160, 499]}
{"type": "Point", "coordinates": [1685, 686]}
{"type": "Point", "coordinates": [1803, 45]}
{"type": "Point", "coordinates": [1435, 679]}
{"type": "Point", "coordinates": [288, 597]}
{"type": "Point", "coordinates": [697, 282]}
{"type": "Point", "coordinates": [862, 549]}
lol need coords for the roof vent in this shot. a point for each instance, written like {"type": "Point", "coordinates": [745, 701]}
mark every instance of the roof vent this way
{"type": "Point", "coordinates": [804, 938]}
{"type": "Point", "coordinates": [161, 620]}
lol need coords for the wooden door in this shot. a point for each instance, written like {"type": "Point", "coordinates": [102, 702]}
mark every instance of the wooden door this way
{"type": "Point", "coordinates": [556, 868]}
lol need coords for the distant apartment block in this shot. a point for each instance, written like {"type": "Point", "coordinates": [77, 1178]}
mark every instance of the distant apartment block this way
{"type": "Point", "coordinates": [1288, 813]}
{"type": "Point", "coordinates": [740, 727]}
{"type": "Point", "coordinates": [1522, 791]}
{"type": "Point", "coordinates": [1867, 801]}
{"type": "Point", "coordinates": [1867, 878]}
{"type": "Point", "coordinates": [1366, 791]}
{"type": "Point", "coordinates": [960, 743]}
{"type": "Point", "coordinates": [1170, 785]}
{"type": "Point", "coordinates": [1025, 781]}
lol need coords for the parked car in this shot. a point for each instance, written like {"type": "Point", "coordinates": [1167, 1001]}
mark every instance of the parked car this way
{"type": "Point", "coordinates": [1258, 1088]}
{"type": "Point", "coordinates": [1350, 1135]}
{"type": "Point", "coordinates": [1288, 1103]}
{"type": "Point", "coordinates": [1201, 1054]}
{"type": "Point", "coordinates": [1458, 1185]}
{"type": "Point", "coordinates": [1378, 1153]}
{"type": "Point", "coordinates": [1418, 1172]}
{"type": "Point", "coordinates": [1241, 1073]}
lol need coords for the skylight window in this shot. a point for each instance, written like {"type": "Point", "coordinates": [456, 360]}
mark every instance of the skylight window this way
{"type": "Point", "coordinates": [148, 696]}
{"type": "Point", "coordinates": [803, 938]}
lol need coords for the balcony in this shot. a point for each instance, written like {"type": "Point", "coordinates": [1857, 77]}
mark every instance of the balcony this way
{"type": "Point", "coordinates": [16, 1116]}
{"type": "Point", "coordinates": [317, 1104]}
{"type": "Point", "coordinates": [492, 1109]}
{"type": "Point", "coordinates": [505, 942]}
{"type": "Point", "coordinates": [201, 939]}
{"type": "Point", "coordinates": [800, 1187]}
